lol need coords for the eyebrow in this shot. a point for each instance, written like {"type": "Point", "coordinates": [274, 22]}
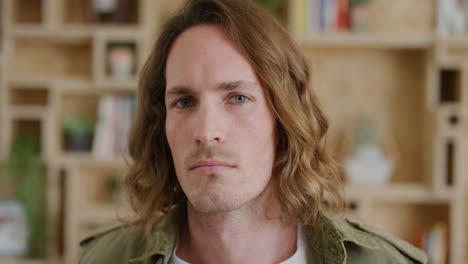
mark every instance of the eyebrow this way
{"type": "Point", "coordinates": [225, 86]}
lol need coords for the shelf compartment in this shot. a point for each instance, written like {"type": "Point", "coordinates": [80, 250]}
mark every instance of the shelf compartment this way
{"type": "Point", "coordinates": [29, 96]}
{"type": "Point", "coordinates": [100, 189]}
{"type": "Point", "coordinates": [63, 59]}
{"type": "Point", "coordinates": [79, 12]}
{"type": "Point", "coordinates": [83, 109]}
{"type": "Point", "coordinates": [385, 85]}
{"type": "Point", "coordinates": [118, 58]}
{"type": "Point", "coordinates": [123, 51]}
{"type": "Point", "coordinates": [88, 104]}
{"type": "Point", "coordinates": [449, 86]}
{"type": "Point", "coordinates": [27, 11]}
{"type": "Point", "coordinates": [410, 220]}
{"type": "Point", "coordinates": [27, 127]}
{"type": "Point", "coordinates": [398, 17]}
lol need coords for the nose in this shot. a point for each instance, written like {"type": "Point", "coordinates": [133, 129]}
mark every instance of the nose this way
{"type": "Point", "coordinates": [208, 125]}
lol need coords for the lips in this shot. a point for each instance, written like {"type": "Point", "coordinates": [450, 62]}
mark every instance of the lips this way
{"type": "Point", "coordinates": [210, 165]}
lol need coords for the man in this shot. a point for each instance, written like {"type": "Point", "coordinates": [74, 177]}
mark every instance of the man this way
{"type": "Point", "coordinates": [228, 149]}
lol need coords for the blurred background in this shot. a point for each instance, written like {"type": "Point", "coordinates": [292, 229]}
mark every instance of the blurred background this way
{"type": "Point", "coordinates": [391, 75]}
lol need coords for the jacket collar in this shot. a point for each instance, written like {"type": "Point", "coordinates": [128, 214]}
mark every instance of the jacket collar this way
{"type": "Point", "coordinates": [162, 240]}
{"type": "Point", "coordinates": [326, 239]}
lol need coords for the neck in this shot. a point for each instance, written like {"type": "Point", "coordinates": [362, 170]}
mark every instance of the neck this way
{"type": "Point", "coordinates": [246, 235]}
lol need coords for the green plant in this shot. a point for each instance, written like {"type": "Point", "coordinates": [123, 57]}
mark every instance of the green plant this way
{"type": "Point", "coordinates": [25, 170]}
{"type": "Point", "coordinates": [272, 5]}
{"type": "Point", "coordinates": [360, 2]}
{"type": "Point", "coordinates": [114, 188]}
{"type": "Point", "coordinates": [121, 44]}
{"type": "Point", "coordinates": [77, 126]}
{"type": "Point", "coordinates": [367, 133]}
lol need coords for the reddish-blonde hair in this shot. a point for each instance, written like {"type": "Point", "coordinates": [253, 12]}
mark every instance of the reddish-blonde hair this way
{"type": "Point", "coordinates": [303, 171]}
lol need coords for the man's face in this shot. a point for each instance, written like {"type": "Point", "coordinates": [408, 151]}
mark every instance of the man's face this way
{"type": "Point", "coordinates": [219, 126]}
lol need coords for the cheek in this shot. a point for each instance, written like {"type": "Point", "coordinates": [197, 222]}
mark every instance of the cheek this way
{"type": "Point", "coordinates": [260, 138]}
{"type": "Point", "coordinates": [173, 136]}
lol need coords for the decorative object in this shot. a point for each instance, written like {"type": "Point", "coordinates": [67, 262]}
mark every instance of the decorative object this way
{"type": "Point", "coordinates": [108, 11]}
{"type": "Point", "coordinates": [78, 132]}
{"type": "Point", "coordinates": [368, 165]}
{"type": "Point", "coordinates": [24, 168]}
{"type": "Point", "coordinates": [13, 229]}
{"type": "Point", "coordinates": [359, 17]}
{"type": "Point", "coordinates": [121, 60]}
{"type": "Point", "coordinates": [114, 189]}
{"type": "Point", "coordinates": [451, 17]}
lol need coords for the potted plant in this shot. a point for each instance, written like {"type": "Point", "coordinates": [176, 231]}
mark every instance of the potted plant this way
{"type": "Point", "coordinates": [78, 132]}
{"type": "Point", "coordinates": [121, 59]}
{"type": "Point", "coordinates": [25, 170]}
{"type": "Point", "coordinates": [359, 17]}
{"type": "Point", "coordinates": [368, 165]}
{"type": "Point", "coordinates": [114, 189]}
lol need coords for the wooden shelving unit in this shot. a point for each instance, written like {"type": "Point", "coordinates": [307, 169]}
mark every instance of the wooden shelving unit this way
{"type": "Point", "coordinates": [53, 63]}
{"type": "Point", "coordinates": [401, 72]}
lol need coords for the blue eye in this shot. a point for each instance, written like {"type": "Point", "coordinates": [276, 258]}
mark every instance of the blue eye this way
{"type": "Point", "coordinates": [184, 102]}
{"type": "Point", "coordinates": [239, 99]}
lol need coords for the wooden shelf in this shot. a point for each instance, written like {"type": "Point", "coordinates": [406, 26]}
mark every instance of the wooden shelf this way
{"type": "Point", "coordinates": [20, 260]}
{"type": "Point", "coordinates": [366, 40]}
{"type": "Point", "coordinates": [397, 192]}
{"type": "Point", "coordinates": [27, 112]}
{"type": "Point", "coordinates": [38, 31]}
{"type": "Point", "coordinates": [102, 214]}
{"type": "Point", "coordinates": [454, 41]}
{"type": "Point", "coordinates": [73, 159]}
{"type": "Point", "coordinates": [109, 84]}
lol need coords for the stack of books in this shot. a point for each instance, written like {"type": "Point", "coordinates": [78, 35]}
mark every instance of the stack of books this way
{"type": "Point", "coordinates": [452, 17]}
{"type": "Point", "coordinates": [115, 116]}
{"type": "Point", "coordinates": [316, 16]}
{"type": "Point", "coordinates": [434, 242]}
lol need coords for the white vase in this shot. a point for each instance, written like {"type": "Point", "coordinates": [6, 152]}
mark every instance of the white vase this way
{"type": "Point", "coordinates": [368, 166]}
{"type": "Point", "coordinates": [13, 229]}
{"type": "Point", "coordinates": [105, 6]}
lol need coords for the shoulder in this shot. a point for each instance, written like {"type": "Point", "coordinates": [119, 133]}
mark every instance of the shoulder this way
{"type": "Point", "coordinates": [367, 244]}
{"type": "Point", "coordinates": [114, 244]}
{"type": "Point", "coordinates": [129, 242]}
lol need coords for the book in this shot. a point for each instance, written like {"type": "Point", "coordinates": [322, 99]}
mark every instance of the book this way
{"type": "Point", "coordinates": [115, 115]}
{"type": "Point", "coordinates": [434, 242]}
{"type": "Point", "coordinates": [315, 16]}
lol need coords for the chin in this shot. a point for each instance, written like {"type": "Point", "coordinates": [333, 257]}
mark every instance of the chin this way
{"type": "Point", "coordinates": [215, 203]}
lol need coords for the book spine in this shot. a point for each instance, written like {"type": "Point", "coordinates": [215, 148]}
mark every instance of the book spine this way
{"type": "Point", "coordinates": [300, 20]}
{"type": "Point", "coordinates": [312, 16]}
{"type": "Point", "coordinates": [342, 16]}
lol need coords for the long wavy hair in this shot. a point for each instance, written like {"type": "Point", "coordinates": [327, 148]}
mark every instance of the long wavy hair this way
{"type": "Point", "coordinates": [304, 173]}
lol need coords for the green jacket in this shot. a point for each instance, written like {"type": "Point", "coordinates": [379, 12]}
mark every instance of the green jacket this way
{"type": "Point", "coordinates": [332, 241]}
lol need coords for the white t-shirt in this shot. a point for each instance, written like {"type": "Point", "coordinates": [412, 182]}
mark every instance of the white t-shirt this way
{"type": "Point", "coordinates": [299, 257]}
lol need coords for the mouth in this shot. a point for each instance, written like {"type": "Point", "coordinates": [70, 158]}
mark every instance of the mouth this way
{"type": "Point", "coordinates": [210, 166]}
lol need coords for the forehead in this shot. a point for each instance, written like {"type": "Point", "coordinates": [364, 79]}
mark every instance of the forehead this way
{"type": "Point", "coordinates": [205, 55]}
